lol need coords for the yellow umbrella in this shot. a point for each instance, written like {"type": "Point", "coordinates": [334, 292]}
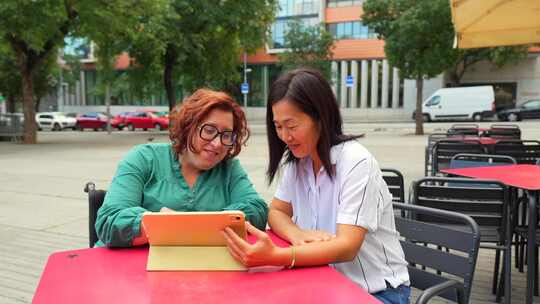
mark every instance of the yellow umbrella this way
{"type": "Point", "coordinates": [487, 23]}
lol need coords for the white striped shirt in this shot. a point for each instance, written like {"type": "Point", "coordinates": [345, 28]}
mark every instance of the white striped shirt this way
{"type": "Point", "coordinates": [357, 195]}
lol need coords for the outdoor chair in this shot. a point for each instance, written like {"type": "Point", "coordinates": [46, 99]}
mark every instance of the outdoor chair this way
{"type": "Point", "coordinates": [95, 200]}
{"type": "Point", "coordinates": [487, 202]}
{"type": "Point", "coordinates": [396, 185]}
{"type": "Point", "coordinates": [431, 140]}
{"type": "Point", "coordinates": [467, 160]}
{"type": "Point", "coordinates": [445, 273]}
{"type": "Point", "coordinates": [444, 150]}
{"type": "Point", "coordinates": [464, 129]}
{"type": "Point", "coordinates": [523, 151]}
{"type": "Point", "coordinates": [504, 131]}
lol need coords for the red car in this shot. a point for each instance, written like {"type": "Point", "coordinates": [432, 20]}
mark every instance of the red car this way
{"type": "Point", "coordinates": [145, 120]}
{"type": "Point", "coordinates": [119, 121]}
{"type": "Point", "coordinates": [96, 121]}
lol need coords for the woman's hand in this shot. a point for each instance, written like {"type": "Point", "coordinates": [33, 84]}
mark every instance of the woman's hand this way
{"type": "Point", "coordinates": [301, 236]}
{"type": "Point", "coordinates": [262, 253]}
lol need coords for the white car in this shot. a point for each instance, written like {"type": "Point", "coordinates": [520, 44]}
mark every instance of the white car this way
{"type": "Point", "coordinates": [55, 121]}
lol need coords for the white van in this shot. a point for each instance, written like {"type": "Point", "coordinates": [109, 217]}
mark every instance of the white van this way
{"type": "Point", "coordinates": [474, 103]}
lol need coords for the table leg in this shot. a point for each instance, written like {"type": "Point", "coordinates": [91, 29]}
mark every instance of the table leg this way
{"type": "Point", "coordinates": [531, 245]}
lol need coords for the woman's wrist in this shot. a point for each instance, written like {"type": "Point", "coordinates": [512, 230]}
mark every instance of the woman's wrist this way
{"type": "Point", "coordinates": [284, 257]}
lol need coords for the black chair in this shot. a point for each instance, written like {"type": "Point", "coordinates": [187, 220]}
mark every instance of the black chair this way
{"type": "Point", "coordinates": [464, 129]}
{"type": "Point", "coordinates": [431, 140]}
{"type": "Point", "coordinates": [487, 202]}
{"type": "Point", "coordinates": [504, 131]}
{"type": "Point", "coordinates": [95, 200]}
{"type": "Point", "coordinates": [448, 274]}
{"type": "Point", "coordinates": [467, 160]}
{"type": "Point", "coordinates": [396, 185]}
{"type": "Point", "coordinates": [523, 151]}
{"type": "Point", "coordinates": [444, 150]}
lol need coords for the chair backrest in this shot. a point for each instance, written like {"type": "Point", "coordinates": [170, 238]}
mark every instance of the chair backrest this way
{"type": "Point", "coordinates": [431, 140]}
{"type": "Point", "coordinates": [396, 185]}
{"type": "Point", "coordinates": [444, 150]}
{"type": "Point", "coordinates": [486, 201]}
{"type": "Point", "coordinates": [523, 151]}
{"type": "Point", "coordinates": [466, 160]}
{"type": "Point", "coordinates": [504, 131]}
{"type": "Point", "coordinates": [95, 200]}
{"type": "Point", "coordinates": [464, 129]}
{"type": "Point", "coordinates": [428, 265]}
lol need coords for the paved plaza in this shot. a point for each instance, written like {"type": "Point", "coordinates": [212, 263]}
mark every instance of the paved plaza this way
{"type": "Point", "coordinates": [43, 208]}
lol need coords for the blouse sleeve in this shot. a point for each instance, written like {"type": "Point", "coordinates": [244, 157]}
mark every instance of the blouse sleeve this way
{"type": "Point", "coordinates": [245, 198]}
{"type": "Point", "coordinates": [362, 195]}
{"type": "Point", "coordinates": [119, 219]}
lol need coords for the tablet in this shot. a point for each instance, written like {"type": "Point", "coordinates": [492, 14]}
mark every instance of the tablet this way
{"type": "Point", "coordinates": [192, 228]}
{"type": "Point", "coordinates": [192, 241]}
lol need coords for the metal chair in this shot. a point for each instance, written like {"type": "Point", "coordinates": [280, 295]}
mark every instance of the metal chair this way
{"type": "Point", "coordinates": [523, 151]}
{"type": "Point", "coordinates": [431, 140]}
{"type": "Point", "coordinates": [448, 274]}
{"type": "Point", "coordinates": [444, 150]}
{"type": "Point", "coordinates": [95, 200]}
{"type": "Point", "coordinates": [464, 129]}
{"type": "Point", "coordinates": [504, 131]}
{"type": "Point", "coordinates": [396, 185]}
{"type": "Point", "coordinates": [467, 160]}
{"type": "Point", "coordinates": [487, 202]}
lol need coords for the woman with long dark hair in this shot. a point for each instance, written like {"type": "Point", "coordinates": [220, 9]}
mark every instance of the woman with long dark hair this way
{"type": "Point", "coordinates": [332, 203]}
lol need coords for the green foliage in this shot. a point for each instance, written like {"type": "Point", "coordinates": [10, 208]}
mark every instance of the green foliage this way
{"type": "Point", "coordinates": [198, 43]}
{"type": "Point", "coordinates": [307, 47]}
{"type": "Point", "coordinates": [418, 34]}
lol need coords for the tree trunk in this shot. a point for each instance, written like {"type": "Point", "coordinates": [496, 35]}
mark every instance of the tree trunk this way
{"type": "Point", "coordinates": [419, 114]}
{"type": "Point", "coordinates": [36, 104]}
{"type": "Point", "coordinates": [108, 107]}
{"type": "Point", "coordinates": [10, 104]}
{"type": "Point", "coordinates": [30, 135]}
{"type": "Point", "coordinates": [170, 61]}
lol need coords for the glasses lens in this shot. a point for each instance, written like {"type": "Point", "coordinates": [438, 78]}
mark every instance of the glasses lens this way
{"type": "Point", "coordinates": [228, 138]}
{"type": "Point", "coordinates": [208, 132]}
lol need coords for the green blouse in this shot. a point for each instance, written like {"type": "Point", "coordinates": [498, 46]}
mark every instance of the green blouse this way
{"type": "Point", "coordinates": [149, 178]}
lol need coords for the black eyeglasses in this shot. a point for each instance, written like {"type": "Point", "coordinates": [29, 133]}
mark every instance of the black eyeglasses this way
{"type": "Point", "coordinates": [210, 132]}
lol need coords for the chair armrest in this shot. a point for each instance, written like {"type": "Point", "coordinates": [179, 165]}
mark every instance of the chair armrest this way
{"type": "Point", "coordinates": [438, 289]}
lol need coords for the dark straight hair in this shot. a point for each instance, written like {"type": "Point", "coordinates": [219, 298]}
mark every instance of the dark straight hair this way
{"type": "Point", "coordinates": [308, 90]}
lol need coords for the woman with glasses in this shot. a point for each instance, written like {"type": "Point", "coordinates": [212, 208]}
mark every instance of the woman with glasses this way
{"type": "Point", "coordinates": [332, 203]}
{"type": "Point", "coordinates": [198, 171]}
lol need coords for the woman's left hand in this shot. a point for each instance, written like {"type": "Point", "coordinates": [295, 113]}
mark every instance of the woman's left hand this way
{"type": "Point", "coordinates": [262, 253]}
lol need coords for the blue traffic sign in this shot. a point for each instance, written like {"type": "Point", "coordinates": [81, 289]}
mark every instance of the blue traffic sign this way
{"type": "Point", "coordinates": [349, 81]}
{"type": "Point", "coordinates": [244, 88]}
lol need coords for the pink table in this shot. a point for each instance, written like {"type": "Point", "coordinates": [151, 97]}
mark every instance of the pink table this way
{"type": "Point", "coordinates": [101, 275]}
{"type": "Point", "coordinates": [525, 177]}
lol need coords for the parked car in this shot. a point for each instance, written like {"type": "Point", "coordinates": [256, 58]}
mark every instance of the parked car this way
{"type": "Point", "coordinates": [93, 120]}
{"type": "Point", "coordinates": [474, 103]}
{"type": "Point", "coordinates": [145, 120]}
{"type": "Point", "coordinates": [55, 121]}
{"type": "Point", "coordinates": [528, 109]}
{"type": "Point", "coordinates": [119, 120]}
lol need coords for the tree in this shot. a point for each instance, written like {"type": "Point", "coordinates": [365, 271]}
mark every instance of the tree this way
{"type": "Point", "coordinates": [35, 30]}
{"type": "Point", "coordinates": [418, 39]}
{"type": "Point", "coordinates": [11, 82]}
{"type": "Point", "coordinates": [308, 47]}
{"type": "Point", "coordinates": [198, 43]}
{"type": "Point", "coordinates": [499, 56]}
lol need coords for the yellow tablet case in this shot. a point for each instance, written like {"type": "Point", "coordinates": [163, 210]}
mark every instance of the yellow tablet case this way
{"type": "Point", "coordinates": [192, 241]}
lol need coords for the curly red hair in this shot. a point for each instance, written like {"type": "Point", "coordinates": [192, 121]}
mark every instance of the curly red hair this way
{"type": "Point", "coordinates": [186, 118]}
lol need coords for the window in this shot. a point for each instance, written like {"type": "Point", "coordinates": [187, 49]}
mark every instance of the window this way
{"type": "Point", "coordinates": [435, 100]}
{"type": "Point", "coordinates": [342, 3]}
{"type": "Point", "coordinates": [533, 104]}
{"type": "Point", "coordinates": [350, 30]}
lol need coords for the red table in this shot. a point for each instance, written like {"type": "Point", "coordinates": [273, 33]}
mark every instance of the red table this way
{"type": "Point", "coordinates": [102, 275]}
{"type": "Point", "coordinates": [526, 177]}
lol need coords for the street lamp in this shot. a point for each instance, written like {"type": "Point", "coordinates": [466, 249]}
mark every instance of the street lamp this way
{"type": "Point", "coordinates": [244, 88]}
